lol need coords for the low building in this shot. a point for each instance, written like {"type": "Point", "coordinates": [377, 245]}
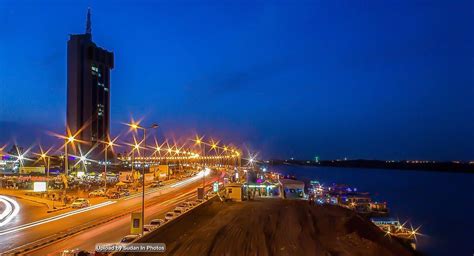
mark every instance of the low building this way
{"type": "Point", "coordinates": [233, 191]}
{"type": "Point", "coordinates": [291, 189]}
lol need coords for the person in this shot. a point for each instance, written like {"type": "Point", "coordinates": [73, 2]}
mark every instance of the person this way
{"type": "Point", "coordinates": [311, 199]}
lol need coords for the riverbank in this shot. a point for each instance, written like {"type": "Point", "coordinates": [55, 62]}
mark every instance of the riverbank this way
{"type": "Point", "coordinates": [274, 227]}
{"type": "Point", "coordinates": [460, 167]}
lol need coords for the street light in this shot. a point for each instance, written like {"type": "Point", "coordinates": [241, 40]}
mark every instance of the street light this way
{"type": "Point", "coordinates": [71, 140]}
{"type": "Point", "coordinates": [44, 155]}
{"type": "Point", "coordinates": [136, 126]}
{"type": "Point", "coordinates": [198, 141]}
{"type": "Point", "coordinates": [109, 143]}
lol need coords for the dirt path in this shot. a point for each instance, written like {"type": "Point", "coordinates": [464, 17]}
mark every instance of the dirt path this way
{"type": "Point", "coordinates": [274, 227]}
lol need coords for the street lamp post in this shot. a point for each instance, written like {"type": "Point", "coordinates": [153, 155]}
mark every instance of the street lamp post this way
{"type": "Point", "coordinates": [66, 160]}
{"type": "Point", "coordinates": [135, 127]}
{"type": "Point", "coordinates": [105, 168]}
{"type": "Point", "coordinates": [48, 159]}
{"type": "Point", "coordinates": [71, 140]}
{"type": "Point", "coordinates": [110, 143]}
{"type": "Point", "coordinates": [203, 157]}
{"type": "Point", "coordinates": [203, 170]}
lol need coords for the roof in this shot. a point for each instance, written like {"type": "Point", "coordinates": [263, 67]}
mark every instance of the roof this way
{"type": "Point", "coordinates": [291, 182]}
{"type": "Point", "coordinates": [233, 185]}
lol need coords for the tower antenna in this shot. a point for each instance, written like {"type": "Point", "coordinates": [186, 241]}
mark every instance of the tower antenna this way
{"type": "Point", "coordinates": [88, 22]}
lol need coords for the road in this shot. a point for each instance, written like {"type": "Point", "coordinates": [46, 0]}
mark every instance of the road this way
{"type": "Point", "coordinates": [158, 201]}
{"type": "Point", "coordinates": [29, 211]}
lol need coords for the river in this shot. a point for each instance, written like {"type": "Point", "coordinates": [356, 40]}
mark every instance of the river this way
{"type": "Point", "coordinates": [441, 203]}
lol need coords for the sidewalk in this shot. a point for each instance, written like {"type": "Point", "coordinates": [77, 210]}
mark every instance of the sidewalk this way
{"type": "Point", "coordinates": [23, 195]}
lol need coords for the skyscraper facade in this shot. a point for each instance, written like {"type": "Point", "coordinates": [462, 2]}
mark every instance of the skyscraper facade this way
{"type": "Point", "coordinates": [88, 88]}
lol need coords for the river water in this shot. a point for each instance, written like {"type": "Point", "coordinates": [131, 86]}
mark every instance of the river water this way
{"type": "Point", "coordinates": [441, 203]}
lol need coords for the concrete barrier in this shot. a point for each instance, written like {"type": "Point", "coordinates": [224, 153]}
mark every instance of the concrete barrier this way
{"type": "Point", "coordinates": [181, 216]}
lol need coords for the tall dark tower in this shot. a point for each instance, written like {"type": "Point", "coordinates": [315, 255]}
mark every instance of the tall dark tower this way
{"type": "Point", "coordinates": [88, 88]}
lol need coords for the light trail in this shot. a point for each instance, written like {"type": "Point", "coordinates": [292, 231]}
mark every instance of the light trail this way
{"type": "Point", "coordinates": [11, 210]}
{"type": "Point", "coordinates": [68, 214]}
{"type": "Point", "coordinates": [198, 176]}
{"type": "Point", "coordinates": [8, 210]}
{"type": "Point", "coordinates": [51, 219]}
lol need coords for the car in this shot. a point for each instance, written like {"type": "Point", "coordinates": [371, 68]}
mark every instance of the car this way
{"type": "Point", "coordinates": [129, 238]}
{"type": "Point", "coordinates": [96, 193]}
{"type": "Point", "coordinates": [185, 206]}
{"type": "Point", "coordinates": [209, 195]}
{"type": "Point", "coordinates": [124, 193]}
{"type": "Point", "coordinates": [148, 228]}
{"type": "Point", "coordinates": [80, 203]}
{"type": "Point", "coordinates": [192, 203]}
{"type": "Point", "coordinates": [170, 215]}
{"type": "Point", "coordinates": [157, 222]}
{"type": "Point", "coordinates": [113, 195]}
{"type": "Point", "coordinates": [75, 252]}
{"type": "Point", "coordinates": [156, 184]}
{"type": "Point", "coordinates": [179, 210]}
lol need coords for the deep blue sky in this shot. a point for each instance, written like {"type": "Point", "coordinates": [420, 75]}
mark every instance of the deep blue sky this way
{"type": "Point", "coordinates": [362, 79]}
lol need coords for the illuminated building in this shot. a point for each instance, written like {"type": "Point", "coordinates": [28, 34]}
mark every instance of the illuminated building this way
{"type": "Point", "coordinates": [88, 87]}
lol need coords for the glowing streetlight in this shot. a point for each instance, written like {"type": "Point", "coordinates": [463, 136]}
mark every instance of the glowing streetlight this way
{"type": "Point", "coordinates": [136, 126]}
{"type": "Point", "coordinates": [44, 155]}
{"type": "Point", "coordinates": [108, 144]}
{"type": "Point", "coordinates": [69, 140]}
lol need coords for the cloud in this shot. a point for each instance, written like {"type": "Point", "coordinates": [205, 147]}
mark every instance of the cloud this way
{"type": "Point", "coordinates": [236, 80]}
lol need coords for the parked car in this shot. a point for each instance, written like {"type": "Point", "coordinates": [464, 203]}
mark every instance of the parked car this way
{"type": "Point", "coordinates": [113, 195]}
{"type": "Point", "coordinates": [170, 215]}
{"type": "Point", "coordinates": [129, 238]}
{"type": "Point", "coordinates": [210, 194]}
{"type": "Point", "coordinates": [192, 203]}
{"type": "Point", "coordinates": [75, 252]}
{"type": "Point", "coordinates": [157, 222]}
{"type": "Point", "coordinates": [179, 210]}
{"type": "Point", "coordinates": [80, 203]}
{"type": "Point", "coordinates": [156, 184]}
{"type": "Point", "coordinates": [96, 193]}
{"type": "Point", "coordinates": [148, 228]}
{"type": "Point", "coordinates": [185, 206]}
{"type": "Point", "coordinates": [124, 192]}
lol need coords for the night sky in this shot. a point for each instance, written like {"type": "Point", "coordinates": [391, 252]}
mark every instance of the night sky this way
{"type": "Point", "coordinates": [356, 79]}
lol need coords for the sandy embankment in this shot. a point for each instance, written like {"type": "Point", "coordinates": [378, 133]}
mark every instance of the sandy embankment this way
{"type": "Point", "coordinates": [274, 227]}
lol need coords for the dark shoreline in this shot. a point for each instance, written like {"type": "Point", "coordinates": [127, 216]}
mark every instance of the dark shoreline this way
{"type": "Point", "coordinates": [378, 164]}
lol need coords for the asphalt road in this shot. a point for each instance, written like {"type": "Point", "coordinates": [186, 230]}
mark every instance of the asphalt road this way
{"type": "Point", "coordinates": [29, 212]}
{"type": "Point", "coordinates": [158, 201]}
